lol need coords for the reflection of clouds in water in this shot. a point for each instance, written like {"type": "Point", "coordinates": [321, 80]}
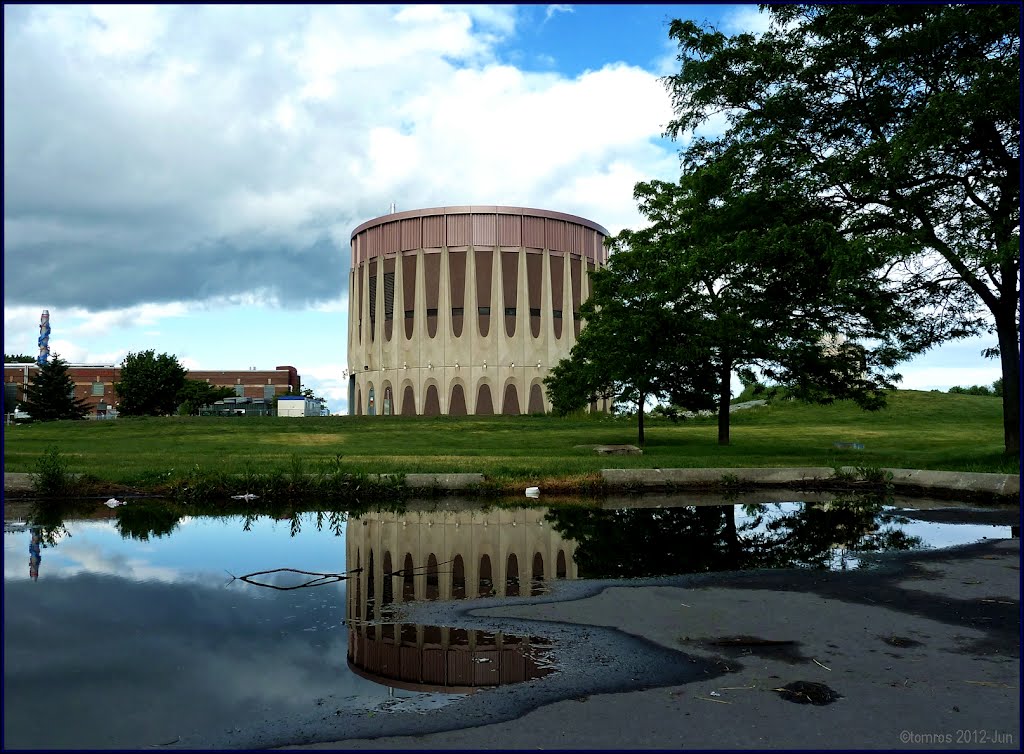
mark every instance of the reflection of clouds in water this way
{"type": "Point", "coordinates": [91, 558]}
{"type": "Point", "coordinates": [254, 654]}
{"type": "Point", "coordinates": [76, 552]}
{"type": "Point", "coordinates": [936, 534]}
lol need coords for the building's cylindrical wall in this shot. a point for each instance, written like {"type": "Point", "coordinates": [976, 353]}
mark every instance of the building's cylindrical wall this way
{"type": "Point", "coordinates": [464, 310]}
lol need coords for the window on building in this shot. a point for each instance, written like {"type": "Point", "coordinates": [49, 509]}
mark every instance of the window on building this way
{"type": "Point", "coordinates": [239, 390]}
{"type": "Point", "coordinates": [409, 313]}
{"type": "Point", "coordinates": [483, 310]}
{"type": "Point", "coordinates": [97, 388]}
{"type": "Point", "coordinates": [431, 312]}
{"type": "Point", "coordinates": [534, 312]}
{"type": "Point", "coordinates": [268, 392]}
{"type": "Point", "coordinates": [457, 311]}
{"type": "Point", "coordinates": [510, 311]}
{"type": "Point", "coordinates": [556, 313]}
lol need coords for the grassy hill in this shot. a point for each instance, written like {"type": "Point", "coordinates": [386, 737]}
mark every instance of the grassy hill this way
{"type": "Point", "coordinates": [917, 430]}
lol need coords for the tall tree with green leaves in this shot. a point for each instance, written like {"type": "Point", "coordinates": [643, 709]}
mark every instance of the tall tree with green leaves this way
{"type": "Point", "coordinates": [50, 393]}
{"type": "Point", "coordinates": [19, 358]}
{"type": "Point", "coordinates": [149, 384]}
{"type": "Point", "coordinates": [758, 276]}
{"type": "Point", "coordinates": [906, 119]}
{"type": "Point", "coordinates": [626, 352]}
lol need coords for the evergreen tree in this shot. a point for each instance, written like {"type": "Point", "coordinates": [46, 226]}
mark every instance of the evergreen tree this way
{"type": "Point", "coordinates": [51, 394]}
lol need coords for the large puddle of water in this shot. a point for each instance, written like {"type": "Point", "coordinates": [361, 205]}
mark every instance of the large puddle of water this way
{"type": "Point", "coordinates": [146, 631]}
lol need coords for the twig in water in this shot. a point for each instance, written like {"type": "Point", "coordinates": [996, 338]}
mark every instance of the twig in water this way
{"type": "Point", "coordinates": [821, 666]}
{"type": "Point", "coordinates": [320, 580]}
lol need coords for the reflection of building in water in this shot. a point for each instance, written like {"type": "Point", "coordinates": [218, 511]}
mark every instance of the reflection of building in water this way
{"type": "Point", "coordinates": [451, 555]}
{"type": "Point", "coordinates": [435, 658]}
{"type": "Point", "coordinates": [34, 554]}
{"type": "Point", "coordinates": [447, 555]}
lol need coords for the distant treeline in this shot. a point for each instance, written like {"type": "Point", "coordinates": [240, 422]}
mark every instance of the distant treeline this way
{"type": "Point", "coordinates": [996, 389]}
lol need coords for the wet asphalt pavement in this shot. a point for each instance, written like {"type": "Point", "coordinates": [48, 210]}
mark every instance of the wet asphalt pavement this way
{"type": "Point", "coordinates": [919, 651]}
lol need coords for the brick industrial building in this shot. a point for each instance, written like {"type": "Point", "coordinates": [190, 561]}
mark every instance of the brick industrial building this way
{"type": "Point", "coordinates": [95, 384]}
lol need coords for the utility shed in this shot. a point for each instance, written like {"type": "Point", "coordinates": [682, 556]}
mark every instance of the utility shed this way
{"type": "Point", "coordinates": [297, 405]}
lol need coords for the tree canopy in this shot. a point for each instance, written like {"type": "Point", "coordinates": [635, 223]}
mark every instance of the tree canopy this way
{"type": "Point", "coordinates": [19, 358]}
{"type": "Point", "coordinates": [904, 120]}
{"type": "Point", "coordinates": [194, 394]}
{"type": "Point", "coordinates": [626, 351]}
{"type": "Point", "coordinates": [149, 384]}
{"type": "Point", "coordinates": [51, 393]}
{"type": "Point", "coordinates": [760, 277]}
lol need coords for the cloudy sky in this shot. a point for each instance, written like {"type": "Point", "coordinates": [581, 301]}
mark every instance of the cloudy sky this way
{"type": "Point", "coordinates": [186, 178]}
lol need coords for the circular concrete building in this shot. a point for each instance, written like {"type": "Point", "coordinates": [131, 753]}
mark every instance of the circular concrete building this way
{"type": "Point", "coordinates": [464, 310]}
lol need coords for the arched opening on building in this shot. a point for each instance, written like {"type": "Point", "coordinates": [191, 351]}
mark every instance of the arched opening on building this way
{"type": "Point", "coordinates": [408, 586]}
{"type": "Point", "coordinates": [483, 290]}
{"type": "Point", "coordinates": [486, 585]}
{"type": "Point", "coordinates": [408, 402]}
{"type": "Point", "coordinates": [575, 273]}
{"type": "Point", "coordinates": [512, 576]}
{"type": "Point", "coordinates": [371, 409]}
{"type": "Point", "coordinates": [409, 291]}
{"type": "Point", "coordinates": [510, 289]}
{"type": "Point", "coordinates": [484, 407]}
{"type": "Point", "coordinates": [457, 293]}
{"type": "Point", "coordinates": [431, 405]}
{"type": "Point", "coordinates": [536, 400]}
{"type": "Point", "coordinates": [534, 275]}
{"type": "Point", "coordinates": [359, 586]}
{"type": "Point", "coordinates": [359, 401]}
{"type": "Point", "coordinates": [388, 401]}
{"type": "Point", "coordinates": [387, 592]}
{"type": "Point", "coordinates": [458, 578]}
{"type": "Point", "coordinates": [369, 588]}
{"type": "Point", "coordinates": [432, 639]}
{"type": "Point", "coordinates": [510, 405]}
{"type": "Point", "coordinates": [432, 277]}
{"type": "Point", "coordinates": [432, 583]}
{"type": "Point", "coordinates": [560, 569]}
{"type": "Point", "coordinates": [457, 404]}
{"type": "Point", "coordinates": [537, 575]}
{"type": "Point", "coordinates": [557, 279]}
{"type": "Point", "coordinates": [389, 298]}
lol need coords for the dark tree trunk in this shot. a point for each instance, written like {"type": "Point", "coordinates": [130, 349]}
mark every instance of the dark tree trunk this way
{"type": "Point", "coordinates": [724, 396]}
{"type": "Point", "coordinates": [1009, 357]}
{"type": "Point", "coordinates": [640, 416]}
{"type": "Point", "coordinates": [732, 539]}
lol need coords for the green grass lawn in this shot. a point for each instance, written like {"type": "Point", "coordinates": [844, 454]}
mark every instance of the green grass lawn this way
{"type": "Point", "coordinates": [917, 430]}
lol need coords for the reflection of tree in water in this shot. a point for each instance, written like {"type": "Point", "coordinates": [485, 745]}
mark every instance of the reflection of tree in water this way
{"type": "Point", "coordinates": [819, 535]}
{"type": "Point", "coordinates": [48, 516]}
{"type": "Point", "coordinates": [145, 519]}
{"type": "Point", "coordinates": [142, 520]}
{"type": "Point", "coordinates": [636, 542]}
